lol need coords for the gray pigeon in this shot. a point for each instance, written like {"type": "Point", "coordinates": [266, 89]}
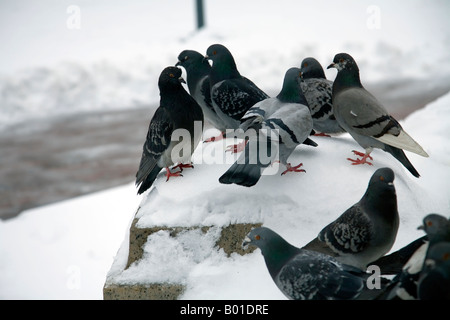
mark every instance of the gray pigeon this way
{"type": "Point", "coordinates": [231, 94]}
{"type": "Point", "coordinates": [303, 274]}
{"type": "Point", "coordinates": [434, 280]}
{"type": "Point", "coordinates": [318, 92]}
{"type": "Point", "coordinates": [367, 230]}
{"type": "Point", "coordinates": [366, 119]}
{"type": "Point", "coordinates": [177, 110]}
{"type": "Point", "coordinates": [197, 71]}
{"type": "Point", "coordinates": [288, 113]}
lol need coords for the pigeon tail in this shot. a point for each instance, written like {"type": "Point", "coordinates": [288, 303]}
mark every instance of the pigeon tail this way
{"type": "Point", "coordinates": [147, 182]}
{"type": "Point", "coordinates": [246, 175]}
{"type": "Point", "coordinates": [399, 154]}
{"type": "Point", "coordinates": [403, 141]}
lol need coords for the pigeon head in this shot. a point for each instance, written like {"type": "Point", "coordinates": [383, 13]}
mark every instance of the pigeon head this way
{"type": "Point", "coordinates": [311, 68]}
{"type": "Point", "coordinates": [348, 72]}
{"type": "Point", "coordinates": [267, 240]}
{"type": "Point", "coordinates": [189, 58]}
{"type": "Point", "coordinates": [274, 248]}
{"type": "Point", "coordinates": [170, 76]}
{"type": "Point", "coordinates": [216, 52]}
{"type": "Point", "coordinates": [343, 61]}
{"type": "Point", "coordinates": [380, 194]}
{"type": "Point", "coordinates": [437, 227]}
{"type": "Point", "coordinates": [383, 176]}
{"type": "Point", "coordinates": [258, 237]}
{"type": "Point", "coordinates": [291, 91]}
{"type": "Point", "coordinates": [223, 64]}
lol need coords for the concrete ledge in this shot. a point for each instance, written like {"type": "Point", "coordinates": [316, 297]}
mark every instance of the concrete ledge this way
{"type": "Point", "coordinates": [230, 241]}
{"type": "Point", "coordinates": [157, 291]}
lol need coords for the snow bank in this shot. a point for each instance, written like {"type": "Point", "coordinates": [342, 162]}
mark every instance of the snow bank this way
{"type": "Point", "coordinates": [115, 58]}
{"type": "Point", "coordinates": [297, 205]}
{"type": "Point", "coordinates": [64, 250]}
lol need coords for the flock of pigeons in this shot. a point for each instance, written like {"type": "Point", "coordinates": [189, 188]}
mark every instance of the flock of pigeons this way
{"type": "Point", "coordinates": [332, 266]}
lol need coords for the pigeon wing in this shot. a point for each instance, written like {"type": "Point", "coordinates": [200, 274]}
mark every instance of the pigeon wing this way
{"type": "Point", "coordinates": [157, 142]}
{"type": "Point", "coordinates": [350, 233]}
{"type": "Point", "coordinates": [236, 96]}
{"type": "Point", "coordinates": [365, 115]}
{"type": "Point", "coordinates": [314, 276]}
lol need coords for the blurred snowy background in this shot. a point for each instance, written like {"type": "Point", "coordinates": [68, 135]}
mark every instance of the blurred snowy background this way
{"type": "Point", "coordinates": [78, 86]}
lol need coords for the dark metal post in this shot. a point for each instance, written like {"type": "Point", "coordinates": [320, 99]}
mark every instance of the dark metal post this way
{"type": "Point", "coordinates": [200, 15]}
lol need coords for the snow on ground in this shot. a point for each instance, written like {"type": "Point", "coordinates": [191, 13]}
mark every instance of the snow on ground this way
{"type": "Point", "coordinates": [114, 58]}
{"type": "Point", "coordinates": [297, 206]}
{"type": "Point", "coordinates": [66, 250]}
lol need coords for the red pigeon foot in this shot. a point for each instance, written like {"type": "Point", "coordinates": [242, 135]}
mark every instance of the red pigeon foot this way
{"type": "Point", "coordinates": [181, 166]}
{"type": "Point", "coordinates": [321, 134]}
{"type": "Point", "coordinates": [213, 139]}
{"type": "Point", "coordinates": [293, 169]}
{"type": "Point", "coordinates": [237, 147]}
{"type": "Point", "coordinates": [363, 160]}
{"type": "Point", "coordinates": [172, 174]}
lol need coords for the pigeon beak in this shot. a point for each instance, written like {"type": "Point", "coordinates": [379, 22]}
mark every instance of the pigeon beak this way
{"type": "Point", "coordinates": [178, 64]}
{"type": "Point", "coordinates": [206, 58]}
{"type": "Point", "coordinates": [245, 243]}
{"type": "Point", "coordinates": [331, 66]}
{"type": "Point", "coordinates": [181, 80]}
{"type": "Point", "coordinates": [421, 227]}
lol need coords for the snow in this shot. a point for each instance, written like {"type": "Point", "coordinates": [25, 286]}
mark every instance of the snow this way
{"type": "Point", "coordinates": [297, 206]}
{"type": "Point", "coordinates": [66, 250]}
{"type": "Point", "coordinates": [114, 58]}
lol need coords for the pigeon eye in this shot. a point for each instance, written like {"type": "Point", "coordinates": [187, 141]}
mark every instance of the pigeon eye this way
{"type": "Point", "coordinates": [257, 237]}
{"type": "Point", "coordinates": [381, 178]}
{"type": "Point", "coordinates": [186, 58]}
{"type": "Point", "coordinates": [305, 64]}
{"type": "Point", "coordinates": [429, 223]}
{"type": "Point", "coordinates": [341, 60]}
{"type": "Point", "coordinates": [446, 256]}
{"type": "Point", "coordinates": [214, 52]}
{"type": "Point", "coordinates": [171, 75]}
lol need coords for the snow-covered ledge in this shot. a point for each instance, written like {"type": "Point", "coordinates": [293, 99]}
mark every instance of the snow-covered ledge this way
{"type": "Point", "coordinates": [178, 243]}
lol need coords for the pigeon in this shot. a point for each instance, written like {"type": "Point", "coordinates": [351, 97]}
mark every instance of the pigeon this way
{"type": "Point", "coordinates": [231, 94]}
{"type": "Point", "coordinates": [393, 263]}
{"type": "Point", "coordinates": [367, 230]}
{"type": "Point", "coordinates": [366, 119]}
{"type": "Point", "coordinates": [318, 92]}
{"type": "Point", "coordinates": [434, 280]}
{"type": "Point", "coordinates": [303, 274]}
{"type": "Point", "coordinates": [197, 71]}
{"type": "Point", "coordinates": [287, 113]}
{"type": "Point", "coordinates": [405, 284]}
{"type": "Point", "coordinates": [177, 110]}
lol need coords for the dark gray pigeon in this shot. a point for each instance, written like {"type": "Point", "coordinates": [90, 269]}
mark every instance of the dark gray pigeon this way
{"type": "Point", "coordinates": [434, 280]}
{"type": "Point", "coordinates": [405, 285]}
{"type": "Point", "coordinates": [318, 92]}
{"type": "Point", "coordinates": [366, 119]}
{"type": "Point", "coordinates": [367, 230]}
{"type": "Point", "coordinates": [288, 113]}
{"type": "Point", "coordinates": [306, 275]}
{"type": "Point", "coordinates": [177, 110]}
{"type": "Point", "coordinates": [197, 77]}
{"type": "Point", "coordinates": [231, 94]}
